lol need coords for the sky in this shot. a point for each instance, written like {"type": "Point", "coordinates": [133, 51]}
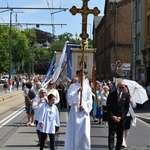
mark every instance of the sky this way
{"type": "Point", "coordinates": [73, 23]}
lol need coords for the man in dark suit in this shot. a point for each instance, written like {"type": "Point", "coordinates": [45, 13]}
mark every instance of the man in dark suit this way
{"type": "Point", "coordinates": [117, 107]}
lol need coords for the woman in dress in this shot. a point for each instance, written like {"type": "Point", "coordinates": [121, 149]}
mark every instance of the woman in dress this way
{"type": "Point", "coordinates": [104, 101]}
{"type": "Point", "coordinates": [130, 119]}
{"type": "Point", "coordinates": [39, 101]}
{"type": "Point", "coordinates": [99, 113]}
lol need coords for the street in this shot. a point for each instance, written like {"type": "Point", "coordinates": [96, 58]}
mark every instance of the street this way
{"type": "Point", "coordinates": [14, 134]}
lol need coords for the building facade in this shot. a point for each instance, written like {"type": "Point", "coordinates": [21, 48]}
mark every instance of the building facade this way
{"type": "Point", "coordinates": [146, 51]}
{"type": "Point", "coordinates": [112, 40]}
{"type": "Point", "coordinates": [138, 30]}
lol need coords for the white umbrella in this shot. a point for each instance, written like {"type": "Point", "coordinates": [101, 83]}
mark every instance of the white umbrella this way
{"type": "Point", "coordinates": [137, 92]}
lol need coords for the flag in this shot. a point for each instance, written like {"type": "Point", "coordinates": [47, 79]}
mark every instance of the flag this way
{"type": "Point", "coordinates": [59, 67]}
{"type": "Point", "coordinates": [69, 58]}
{"type": "Point", "coordinates": [50, 70]}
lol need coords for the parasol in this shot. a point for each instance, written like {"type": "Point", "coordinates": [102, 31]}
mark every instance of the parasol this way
{"type": "Point", "coordinates": [137, 92]}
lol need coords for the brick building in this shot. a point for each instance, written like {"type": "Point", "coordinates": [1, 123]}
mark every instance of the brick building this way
{"type": "Point", "coordinates": [146, 51]}
{"type": "Point", "coordinates": [112, 40]}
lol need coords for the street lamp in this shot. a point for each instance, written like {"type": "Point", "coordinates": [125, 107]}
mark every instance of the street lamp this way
{"type": "Point", "coordinates": [10, 45]}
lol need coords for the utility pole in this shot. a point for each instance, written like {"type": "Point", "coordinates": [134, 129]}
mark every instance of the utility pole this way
{"type": "Point", "coordinates": [10, 45]}
{"type": "Point", "coordinates": [10, 31]}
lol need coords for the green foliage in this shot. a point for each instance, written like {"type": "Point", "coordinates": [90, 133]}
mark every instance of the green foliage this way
{"type": "Point", "coordinates": [58, 44]}
{"type": "Point", "coordinates": [42, 54]}
{"type": "Point", "coordinates": [65, 37]}
{"type": "Point", "coordinates": [4, 48]}
{"type": "Point", "coordinates": [31, 35]}
{"type": "Point", "coordinates": [24, 47]}
{"type": "Point", "coordinates": [90, 43]}
{"type": "Point", "coordinates": [19, 47]}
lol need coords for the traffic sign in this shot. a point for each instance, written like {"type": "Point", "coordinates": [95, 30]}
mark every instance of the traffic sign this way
{"type": "Point", "coordinates": [118, 63]}
{"type": "Point", "coordinates": [119, 71]}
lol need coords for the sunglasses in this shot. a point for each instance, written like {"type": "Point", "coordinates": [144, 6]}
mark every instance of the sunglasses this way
{"type": "Point", "coordinates": [81, 75]}
{"type": "Point", "coordinates": [43, 92]}
{"type": "Point", "coordinates": [51, 84]}
{"type": "Point", "coordinates": [121, 87]}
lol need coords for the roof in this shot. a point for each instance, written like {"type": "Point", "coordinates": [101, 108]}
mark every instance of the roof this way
{"type": "Point", "coordinates": [97, 20]}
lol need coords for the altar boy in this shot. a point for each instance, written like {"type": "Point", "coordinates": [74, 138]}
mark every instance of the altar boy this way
{"type": "Point", "coordinates": [49, 121]}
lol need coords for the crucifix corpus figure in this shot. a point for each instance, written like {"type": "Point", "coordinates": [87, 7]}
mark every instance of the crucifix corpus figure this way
{"type": "Point", "coordinates": [84, 11]}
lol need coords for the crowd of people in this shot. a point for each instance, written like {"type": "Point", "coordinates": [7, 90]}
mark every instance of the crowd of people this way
{"type": "Point", "coordinates": [42, 111]}
{"type": "Point", "coordinates": [110, 105]}
{"type": "Point", "coordinates": [10, 84]}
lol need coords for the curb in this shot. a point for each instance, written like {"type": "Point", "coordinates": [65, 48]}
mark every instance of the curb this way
{"type": "Point", "coordinates": [3, 98]}
{"type": "Point", "coordinates": [147, 120]}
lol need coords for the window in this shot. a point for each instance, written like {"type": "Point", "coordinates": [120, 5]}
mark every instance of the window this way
{"type": "Point", "coordinates": [148, 25]}
{"type": "Point", "coordinates": [138, 9]}
{"type": "Point", "coordinates": [138, 43]}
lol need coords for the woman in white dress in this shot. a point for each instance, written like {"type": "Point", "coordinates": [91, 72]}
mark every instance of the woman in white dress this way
{"type": "Point", "coordinates": [39, 100]}
{"type": "Point", "coordinates": [130, 119]}
{"type": "Point", "coordinates": [104, 107]}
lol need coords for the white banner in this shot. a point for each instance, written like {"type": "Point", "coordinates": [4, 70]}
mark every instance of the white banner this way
{"type": "Point", "coordinates": [59, 67]}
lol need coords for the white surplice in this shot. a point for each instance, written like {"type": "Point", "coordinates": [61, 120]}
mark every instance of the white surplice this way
{"type": "Point", "coordinates": [78, 125]}
{"type": "Point", "coordinates": [37, 104]}
{"type": "Point", "coordinates": [49, 116]}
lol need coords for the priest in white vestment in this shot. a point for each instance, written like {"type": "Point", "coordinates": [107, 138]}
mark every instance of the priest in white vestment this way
{"type": "Point", "coordinates": [78, 125]}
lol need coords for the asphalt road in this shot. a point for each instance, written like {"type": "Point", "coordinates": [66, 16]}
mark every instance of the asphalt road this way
{"type": "Point", "coordinates": [15, 135]}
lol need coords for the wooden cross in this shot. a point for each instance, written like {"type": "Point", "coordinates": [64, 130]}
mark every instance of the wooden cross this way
{"type": "Point", "coordinates": [84, 12]}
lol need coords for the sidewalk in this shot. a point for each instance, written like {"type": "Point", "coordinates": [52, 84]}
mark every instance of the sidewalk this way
{"type": "Point", "coordinates": [14, 92]}
{"type": "Point", "coordinates": [144, 113]}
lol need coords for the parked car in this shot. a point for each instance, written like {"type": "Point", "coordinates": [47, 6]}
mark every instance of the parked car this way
{"type": "Point", "coordinates": [4, 78]}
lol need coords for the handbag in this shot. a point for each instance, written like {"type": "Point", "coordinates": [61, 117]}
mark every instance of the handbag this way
{"type": "Point", "coordinates": [31, 94]}
{"type": "Point", "coordinates": [133, 115]}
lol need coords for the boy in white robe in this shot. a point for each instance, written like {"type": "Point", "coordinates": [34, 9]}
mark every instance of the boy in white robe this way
{"type": "Point", "coordinates": [78, 125]}
{"type": "Point", "coordinates": [48, 121]}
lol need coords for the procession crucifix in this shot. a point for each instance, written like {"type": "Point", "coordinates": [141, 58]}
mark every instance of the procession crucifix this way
{"type": "Point", "coordinates": [84, 11]}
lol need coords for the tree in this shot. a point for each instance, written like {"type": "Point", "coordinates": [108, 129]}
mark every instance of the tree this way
{"type": "Point", "coordinates": [25, 47]}
{"type": "Point", "coordinates": [58, 44]}
{"type": "Point", "coordinates": [20, 47]}
{"type": "Point", "coordinates": [41, 67]}
{"type": "Point", "coordinates": [4, 48]}
{"type": "Point", "coordinates": [90, 43]}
